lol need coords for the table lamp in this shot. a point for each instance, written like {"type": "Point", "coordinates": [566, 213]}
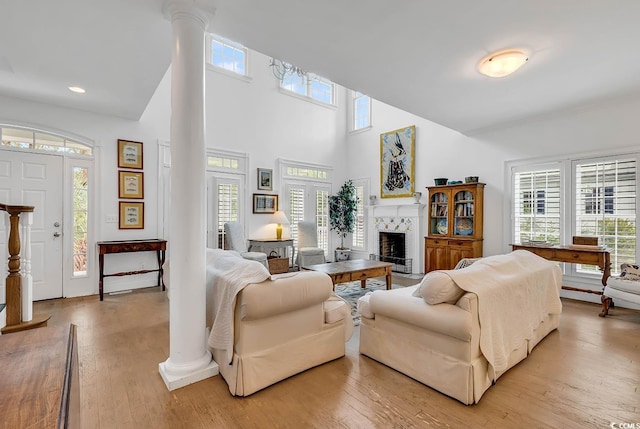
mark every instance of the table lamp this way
{"type": "Point", "coordinates": [279, 218]}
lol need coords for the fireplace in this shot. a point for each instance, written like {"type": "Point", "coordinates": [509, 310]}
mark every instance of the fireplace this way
{"type": "Point", "coordinates": [407, 220]}
{"type": "Point", "coordinates": [392, 248]}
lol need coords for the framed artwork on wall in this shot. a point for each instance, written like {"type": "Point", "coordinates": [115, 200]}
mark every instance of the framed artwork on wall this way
{"type": "Point", "coordinates": [265, 179]}
{"type": "Point", "coordinates": [130, 184]}
{"type": "Point", "coordinates": [265, 203]}
{"type": "Point", "coordinates": [397, 163]}
{"type": "Point", "coordinates": [131, 215]}
{"type": "Point", "coordinates": [130, 154]}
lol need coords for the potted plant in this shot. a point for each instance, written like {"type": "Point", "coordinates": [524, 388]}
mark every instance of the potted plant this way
{"type": "Point", "coordinates": [342, 216]}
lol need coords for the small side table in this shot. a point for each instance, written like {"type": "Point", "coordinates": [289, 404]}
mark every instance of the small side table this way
{"type": "Point", "coordinates": [266, 245]}
{"type": "Point", "coordinates": [155, 245]}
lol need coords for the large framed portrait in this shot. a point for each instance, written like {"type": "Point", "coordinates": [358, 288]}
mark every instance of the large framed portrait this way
{"type": "Point", "coordinates": [397, 163]}
{"type": "Point", "coordinates": [131, 215]}
{"type": "Point", "coordinates": [265, 203]}
{"type": "Point", "coordinates": [130, 154]}
{"type": "Point", "coordinates": [130, 184]}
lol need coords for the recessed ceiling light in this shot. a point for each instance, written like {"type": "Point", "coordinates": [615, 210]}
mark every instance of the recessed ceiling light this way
{"type": "Point", "coordinates": [77, 89]}
{"type": "Point", "coordinates": [502, 63]}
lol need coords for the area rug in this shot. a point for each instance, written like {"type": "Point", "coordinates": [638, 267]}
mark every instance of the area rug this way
{"type": "Point", "coordinates": [352, 291]}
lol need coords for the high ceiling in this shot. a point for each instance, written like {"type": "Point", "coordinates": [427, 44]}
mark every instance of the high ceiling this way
{"type": "Point", "coordinates": [417, 55]}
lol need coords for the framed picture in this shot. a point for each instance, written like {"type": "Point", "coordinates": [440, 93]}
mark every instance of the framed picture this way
{"type": "Point", "coordinates": [131, 215]}
{"type": "Point", "coordinates": [264, 203]}
{"type": "Point", "coordinates": [130, 184]}
{"type": "Point", "coordinates": [129, 154]}
{"type": "Point", "coordinates": [265, 179]}
{"type": "Point", "coordinates": [397, 159]}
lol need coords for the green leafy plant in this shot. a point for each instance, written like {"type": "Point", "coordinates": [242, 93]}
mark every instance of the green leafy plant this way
{"type": "Point", "coordinates": [343, 207]}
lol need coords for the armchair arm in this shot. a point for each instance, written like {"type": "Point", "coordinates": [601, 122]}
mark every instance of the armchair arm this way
{"type": "Point", "coordinates": [283, 294]}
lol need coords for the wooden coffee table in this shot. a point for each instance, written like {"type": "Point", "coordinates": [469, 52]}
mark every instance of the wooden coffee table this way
{"type": "Point", "coordinates": [357, 269]}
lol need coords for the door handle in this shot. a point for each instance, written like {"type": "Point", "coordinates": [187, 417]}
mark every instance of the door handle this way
{"type": "Point", "coordinates": [56, 234]}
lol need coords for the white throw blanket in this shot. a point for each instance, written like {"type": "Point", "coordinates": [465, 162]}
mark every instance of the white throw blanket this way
{"type": "Point", "coordinates": [515, 293]}
{"type": "Point", "coordinates": [227, 275]}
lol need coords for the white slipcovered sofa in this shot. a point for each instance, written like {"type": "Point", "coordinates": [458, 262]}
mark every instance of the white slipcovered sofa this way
{"type": "Point", "coordinates": [459, 330]}
{"type": "Point", "coordinates": [267, 328]}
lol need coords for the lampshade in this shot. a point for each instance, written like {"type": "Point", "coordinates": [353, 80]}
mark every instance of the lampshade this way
{"type": "Point", "coordinates": [279, 217]}
{"type": "Point", "coordinates": [502, 63]}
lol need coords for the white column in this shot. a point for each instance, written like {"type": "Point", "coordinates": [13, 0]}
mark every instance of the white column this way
{"type": "Point", "coordinates": [26, 286]}
{"type": "Point", "coordinates": [189, 360]}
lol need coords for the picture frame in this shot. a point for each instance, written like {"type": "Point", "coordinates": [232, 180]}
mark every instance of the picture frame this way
{"type": "Point", "coordinates": [131, 215]}
{"type": "Point", "coordinates": [130, 154]}
{"type": "Point", "coordinates": [265, 203]}
{"type": "Point", "coordinates": [265, 179]}
{"type": "Point", "coordinates": [130, 184]}
{"type": "Point", "coordinates": [397, 163]}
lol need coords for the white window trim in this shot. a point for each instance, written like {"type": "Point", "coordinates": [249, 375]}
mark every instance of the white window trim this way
{"type": "Point", "coordinates": [352, 114]}
{"type": "Point", "coordinates": [229, 73]}
{"type": "Point", "coordinates": [308, 98]}
{"type": "Point", "coordinates": [284, 163]}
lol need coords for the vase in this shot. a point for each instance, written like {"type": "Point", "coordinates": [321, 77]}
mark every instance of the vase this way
{"type": "Point", "coordinates": [342, 254]}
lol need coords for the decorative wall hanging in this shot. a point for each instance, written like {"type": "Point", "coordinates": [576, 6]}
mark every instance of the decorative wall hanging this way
{"type": "Point", "coordinates": [264, 203]}
{"type": "Point", "coordinates": [131, 215]}
{"type": "Point", "coordinates": [265, 179]}
{"type": "Point", "coordinates": [397, 159]}
{"type": "Point", "coordinates": [129, 154]}
{"type": "Point", "coordinates": [130, 184]}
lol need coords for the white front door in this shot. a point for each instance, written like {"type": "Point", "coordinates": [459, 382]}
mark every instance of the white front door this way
{"type": "Point", "coordinates": [36, 180]}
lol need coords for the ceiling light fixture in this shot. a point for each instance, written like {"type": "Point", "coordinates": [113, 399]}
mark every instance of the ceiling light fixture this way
{"type": "Point", "coordinates": [502, 63]}
{"type": "Point", "coordinates": [77, 89]}
{"type": "Point", "coordinates": [281, 69]}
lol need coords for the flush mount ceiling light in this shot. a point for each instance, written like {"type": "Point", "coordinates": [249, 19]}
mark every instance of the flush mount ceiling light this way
{"type": "Point", "coordinates": [502, 63]}
{"type": "Point", "coordinates": [77, 89]}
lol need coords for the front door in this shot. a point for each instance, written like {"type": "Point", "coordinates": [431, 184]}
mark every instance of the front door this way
{"type": "Point", "coordinates": [36, 180]}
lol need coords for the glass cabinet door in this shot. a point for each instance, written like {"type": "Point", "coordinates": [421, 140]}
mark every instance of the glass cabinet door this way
{"type": "Point", "coordinates": [439, 214]}
{"type": "Point", "coordinates": [463, 214]}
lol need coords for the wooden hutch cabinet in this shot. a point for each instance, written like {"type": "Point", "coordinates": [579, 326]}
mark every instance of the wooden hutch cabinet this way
{"type": "Point", "coordinates": [454, 225]}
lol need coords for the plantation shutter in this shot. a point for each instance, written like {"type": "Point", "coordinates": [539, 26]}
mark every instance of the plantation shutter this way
{"type": "Point", "coordinates": [536, 216]}
{"type": "Point", "coordinates": [605, 192]}
{"type": "Point", "coordinates": [228, 198]}
{"type": "Point", "coordinates": [296, 211]}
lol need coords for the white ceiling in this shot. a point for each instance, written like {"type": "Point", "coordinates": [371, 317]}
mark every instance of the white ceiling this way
{"type": "Point", "coordinates": [417, 55]}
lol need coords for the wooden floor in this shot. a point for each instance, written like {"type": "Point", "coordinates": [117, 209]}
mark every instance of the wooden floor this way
{"type": "Point", "coordinates": [585, 375]}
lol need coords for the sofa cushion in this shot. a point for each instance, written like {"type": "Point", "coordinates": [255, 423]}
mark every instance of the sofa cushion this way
{"type": "Point", "coordinates": [630, 272]}
{"type": "Point", "coordinates": [437, 287]}
{"type": "Point", "coordinates": [624, 284]}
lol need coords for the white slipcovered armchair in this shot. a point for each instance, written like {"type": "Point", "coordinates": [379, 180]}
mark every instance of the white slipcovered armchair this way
{"type": "Point", "coordinates": [625, 288]}
{"type": "Point", "coordinates": [308, 251]}
{"type": "Point", "coordinates": [236, 241]}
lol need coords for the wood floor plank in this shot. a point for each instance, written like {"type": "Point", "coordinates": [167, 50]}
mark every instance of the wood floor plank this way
{"type": "Point", "coordinates": [583, 375]}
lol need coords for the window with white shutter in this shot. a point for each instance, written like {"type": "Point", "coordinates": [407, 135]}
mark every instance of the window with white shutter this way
{"type": "Point", "coordinates": [536, 208]}
{"type": "Point", "coordinates": [605, 206]}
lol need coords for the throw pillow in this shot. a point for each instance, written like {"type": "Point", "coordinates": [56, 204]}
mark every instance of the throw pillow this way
{"type": "Point", "coordinates": [437, 287]}
{"type": "Point", "coordinates": [630, 272]}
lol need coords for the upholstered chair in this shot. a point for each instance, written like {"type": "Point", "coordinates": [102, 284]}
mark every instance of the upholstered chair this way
{"type": "Point", "coordinates": [235, 241]}
{"type": "Point", "coordinates": [308, 251]}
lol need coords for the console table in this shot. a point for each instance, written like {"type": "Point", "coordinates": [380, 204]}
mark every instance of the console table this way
{"type": "Point", "coordinates": [153, 245]}
{"type": "Point", "coordinates": [266, 245]}
{"type": "Point", "coordinates": [575, 256]}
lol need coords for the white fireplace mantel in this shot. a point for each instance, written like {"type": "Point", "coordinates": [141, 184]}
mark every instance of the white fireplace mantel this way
{"type": "Point", "coordinates": [413, 214]}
